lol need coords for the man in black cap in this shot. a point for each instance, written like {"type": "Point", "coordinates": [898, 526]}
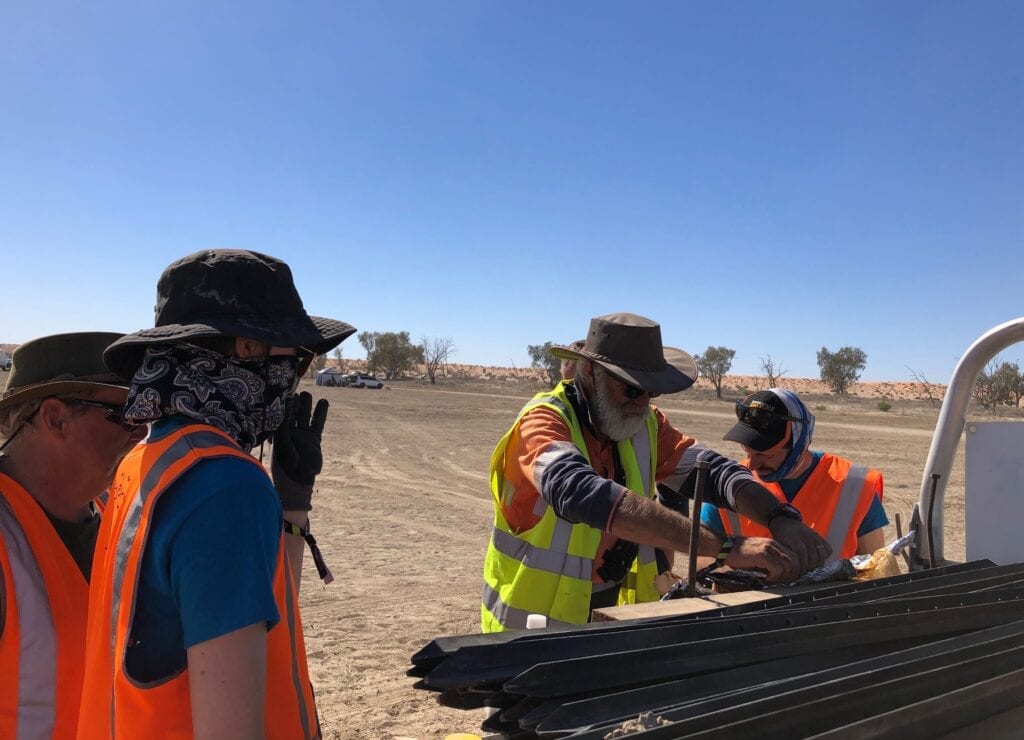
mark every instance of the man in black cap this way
{"type": "Point", "coordinates": [64, 434]}
{"type": "Point", "coordinates": [840, 500]}
{"type": "Point", "coordinates": [193, 621]}
{"type": "Point", "coordinates": [577, 524]}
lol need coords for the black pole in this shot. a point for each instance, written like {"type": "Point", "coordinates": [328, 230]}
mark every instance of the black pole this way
{"type": "Point", "coordinates": [698, 499]}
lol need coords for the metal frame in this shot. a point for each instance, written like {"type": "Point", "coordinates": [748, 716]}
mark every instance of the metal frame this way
{"type": "Point", "coordinates": [928, 548]}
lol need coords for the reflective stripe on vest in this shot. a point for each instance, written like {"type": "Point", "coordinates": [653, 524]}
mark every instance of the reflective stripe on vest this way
{"type": "Point", "coordinates": [842, 519]}
{"type": "Point", "coordinates": [834, 500]}
{"type": "Point", "coordinates": [28, 620]}
{"type": "Point", "coordinates": [113, 702]}
{"type": "Point", "coordinates": [550, 565]}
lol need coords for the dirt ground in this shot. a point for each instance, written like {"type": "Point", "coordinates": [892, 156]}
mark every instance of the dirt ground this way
{"type": "Point", "coordinates": [403, 515]}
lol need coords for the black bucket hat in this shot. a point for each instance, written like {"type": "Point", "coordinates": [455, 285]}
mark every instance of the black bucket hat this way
{"type": "Point", "coordinates": [629, 347]}
{"type": "Point", "coordinates": [232, 293]}
{"type": "Point", "coordinates": [58, 364]}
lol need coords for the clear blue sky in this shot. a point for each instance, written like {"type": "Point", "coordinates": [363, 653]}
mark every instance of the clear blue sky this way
{"type": "Point", "coordinates": [773, 177]}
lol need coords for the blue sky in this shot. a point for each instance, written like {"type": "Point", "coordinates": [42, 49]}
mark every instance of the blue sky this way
{"type": "Point", "coordinates": [773, 177]}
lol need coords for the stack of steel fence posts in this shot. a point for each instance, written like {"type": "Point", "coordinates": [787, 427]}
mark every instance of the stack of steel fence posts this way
{"type": "Point", "coordinates": [856, 659]}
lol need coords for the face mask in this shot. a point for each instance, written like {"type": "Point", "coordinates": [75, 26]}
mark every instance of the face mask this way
{"type": "Point", "coordinates": [243, 398]}
{"type": "Point", "coordinates": [280, 375]}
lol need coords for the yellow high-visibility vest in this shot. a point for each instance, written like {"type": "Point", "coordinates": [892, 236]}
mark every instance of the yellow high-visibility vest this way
{"type": "Point", "coordinates": [548, 568]}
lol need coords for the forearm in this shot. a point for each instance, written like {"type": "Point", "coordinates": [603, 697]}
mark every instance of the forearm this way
{"type": "Point", "coordinates": [647, 522]}
{"type": "Point", "coordinates": [754, 501]}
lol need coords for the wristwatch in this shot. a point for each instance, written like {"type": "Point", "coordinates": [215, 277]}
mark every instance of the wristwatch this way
{"type": "Point", "coordinates": [787, 511]}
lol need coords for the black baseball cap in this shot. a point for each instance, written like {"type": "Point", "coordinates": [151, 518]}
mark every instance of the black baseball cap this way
{"type": "Point", "coordinates": [762, 421]}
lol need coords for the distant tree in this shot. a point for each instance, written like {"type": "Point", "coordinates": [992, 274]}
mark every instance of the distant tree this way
{"type": "Point", "coordinates": [1007, 382]}
{"type": "Point", "coordinates": [999, 384]}
{"type": "Point", "coordinates": [924, 388]}
{"type": "Point", "coordinates": [772, 371]}
{"type": "Point", "coordinates": [369, 340]}
{"type": "Point", "coordinates": [986, 387]}
{"type": "Point", "coordinates": [714, 364]}
{"type": "Point", "coordinates": [318, 363]}
{"type": "Point", "coordinates": [842, 368]}
{"type": "Point", "coordinates": [436, 351]}
{"type": "Point", "coordinates": [338, 358]}
{"type": "Point", "coordinates": [391, 352]}
{"type": "Point", "coordinates": [541, 357]}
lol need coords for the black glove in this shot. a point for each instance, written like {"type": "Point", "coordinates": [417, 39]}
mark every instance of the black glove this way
{"type": "Point", "coordinates": [297, 459]}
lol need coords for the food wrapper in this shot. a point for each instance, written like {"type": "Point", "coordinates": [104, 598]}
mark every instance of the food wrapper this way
{"type": "Point", "coordinates": [882, 563]}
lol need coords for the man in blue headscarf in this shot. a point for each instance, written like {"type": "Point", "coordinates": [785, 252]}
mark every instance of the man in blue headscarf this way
{"type": "Point", "coordinates": [838, 499]}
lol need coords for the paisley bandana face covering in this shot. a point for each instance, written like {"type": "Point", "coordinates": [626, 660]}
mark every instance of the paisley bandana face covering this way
{"type": "Point", "coordinates": [243, 398]}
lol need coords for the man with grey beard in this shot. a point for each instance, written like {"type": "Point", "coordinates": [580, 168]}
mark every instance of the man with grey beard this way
{"type": "Point", "coordinates": [578, 523]}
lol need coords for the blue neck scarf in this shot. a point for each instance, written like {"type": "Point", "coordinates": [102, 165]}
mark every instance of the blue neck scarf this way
{"type": "Point", "coordinates": [800, 432]}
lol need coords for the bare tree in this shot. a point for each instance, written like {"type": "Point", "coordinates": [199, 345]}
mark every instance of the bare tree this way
{"type": "Point", "coordinates": [773, 371]}
{"type": "Point", "coordinates": [436, 351]}
{"type": "Point", "coordinates": [924, 388]}
{"type": "Point", "coordinates": [987, 390]}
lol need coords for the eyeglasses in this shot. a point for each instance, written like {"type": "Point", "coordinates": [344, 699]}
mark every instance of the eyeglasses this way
{"type": "Point", "coordinates": [114, 413]}
{"type": "Point", "coordinates": [629, 390]}
{"type": "Point", "coordinates": [761, 415]}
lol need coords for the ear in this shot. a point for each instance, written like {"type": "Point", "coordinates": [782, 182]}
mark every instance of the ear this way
{"type": "Point", "coordinates": [53, 417]}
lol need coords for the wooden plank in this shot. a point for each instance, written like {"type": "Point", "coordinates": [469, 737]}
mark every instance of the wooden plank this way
{"type": "Point", "coordinates": [680, 606]}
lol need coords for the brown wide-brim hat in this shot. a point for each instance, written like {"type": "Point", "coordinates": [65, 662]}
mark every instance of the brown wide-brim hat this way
{"type": "Point", "coordinates": [231, 293]}
{"type": "Point", "coordinates": [59, 364]}
{"type": "Point", "coordinates": [629, 347]}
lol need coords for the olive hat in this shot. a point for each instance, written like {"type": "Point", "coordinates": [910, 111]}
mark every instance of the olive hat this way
{"type": "Point", "coordinates": [629, 346]}
{"type": "Point", "coordinates": [58, 364]}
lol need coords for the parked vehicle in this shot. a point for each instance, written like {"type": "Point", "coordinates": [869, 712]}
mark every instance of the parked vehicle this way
{"type": "Point", "coordinates": [362, 380]}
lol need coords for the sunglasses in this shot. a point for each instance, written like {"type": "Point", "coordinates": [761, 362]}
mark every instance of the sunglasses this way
{"type": "Point", "coordinates": [761, 416]}
{"type": "Point", "coordinates": [629, 390]}
{"type": "Point", "coordinates": [114, 413]}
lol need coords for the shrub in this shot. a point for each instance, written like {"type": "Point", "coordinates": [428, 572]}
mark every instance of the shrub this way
{"type": "Point", "coordinates": [884, 405]}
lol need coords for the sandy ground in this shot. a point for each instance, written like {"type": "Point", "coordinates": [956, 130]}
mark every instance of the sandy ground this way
{"type": "Point", "coordinates": [403, 515]}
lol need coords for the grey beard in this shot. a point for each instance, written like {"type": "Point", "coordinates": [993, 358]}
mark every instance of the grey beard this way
{"type": "Point", "coordinates": [610, 419]}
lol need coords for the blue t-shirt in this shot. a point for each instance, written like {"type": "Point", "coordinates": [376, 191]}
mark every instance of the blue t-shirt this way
{"type": "Point", "coordinates": [208, 564]}
{"type": "Point", "coordinates": [875, 518]}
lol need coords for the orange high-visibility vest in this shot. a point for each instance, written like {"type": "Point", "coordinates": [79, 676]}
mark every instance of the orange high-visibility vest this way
{"type": "Point", "coordinates": [113, 704]}
{"type": "Point", "coordinates": [833, 500]}
{"type": "Point", "coordinates": [43, 602]}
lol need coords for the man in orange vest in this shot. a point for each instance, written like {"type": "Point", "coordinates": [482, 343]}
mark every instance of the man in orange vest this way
{"type": "Point", "coordinates": [838, 499]}
{"type": "Point", "coordinates": [64, 434]}
{"type": "Point", "coordinates": [194, 629]}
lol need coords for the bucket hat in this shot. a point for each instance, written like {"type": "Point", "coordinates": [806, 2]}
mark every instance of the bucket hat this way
{"type": "Point", "coordinates": [233, 293]}
{"type": "Point", "coordinates": [58, 364]}
{"type": "Point", "coordinates": [629, 346]}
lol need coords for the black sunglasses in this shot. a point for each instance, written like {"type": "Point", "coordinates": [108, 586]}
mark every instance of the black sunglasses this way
{"type": "Point", "coordinates": [761, 416]}
{"type": "Point", "coordinates": [114, 413]}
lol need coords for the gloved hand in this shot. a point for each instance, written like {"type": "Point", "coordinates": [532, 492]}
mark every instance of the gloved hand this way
{"type": "Point", "coordinates": [297, 459]}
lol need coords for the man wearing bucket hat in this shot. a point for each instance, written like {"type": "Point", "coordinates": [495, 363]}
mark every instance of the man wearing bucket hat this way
{"type": "Point", "coordinates": [64, 434]}
{"type": "Point", "coordinates": [577, 525]}
{"type": "Point", "coordinates": [840, 500]}
{"type": "Point", "coordinates": [194, 627]}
